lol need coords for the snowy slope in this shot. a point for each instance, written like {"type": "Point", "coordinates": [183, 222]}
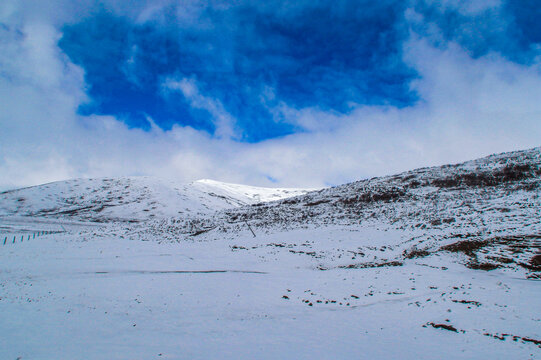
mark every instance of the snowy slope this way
{"type": "Point", "coordinates": [434, 263]}
{"type": "Point", "coordinates": [132, 198]}
{"type": "Point", "coordinates": [489, 208]}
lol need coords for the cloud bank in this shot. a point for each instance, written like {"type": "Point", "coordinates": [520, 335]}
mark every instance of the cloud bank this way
{"type": "Point", "coordinates": [442, 87]}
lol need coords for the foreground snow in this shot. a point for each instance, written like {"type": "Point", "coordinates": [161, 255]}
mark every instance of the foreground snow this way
{"type": "Point", "coordinates": [90, 294]}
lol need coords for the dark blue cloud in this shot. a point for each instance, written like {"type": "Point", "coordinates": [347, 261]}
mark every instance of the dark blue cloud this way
{"type": "Point", "coordinates": [317, 54]}
{"type": "Point", "coordinates": [330, 55]}
{"type": "Point", "coordinates": [512, 30]}
{"type": "Point", "coordinates": [525, 20]}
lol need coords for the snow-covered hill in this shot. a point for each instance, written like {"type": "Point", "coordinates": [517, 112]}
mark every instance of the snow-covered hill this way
{"type": "Point", "coordinates": [434, 263]}
{"type": "Point", "coordinates": [133, 198]}
{"type": "Point", "coordinates": [488, 210]}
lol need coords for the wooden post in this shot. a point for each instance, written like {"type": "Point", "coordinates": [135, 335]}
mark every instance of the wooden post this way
{"type": "Point", "coordinates": [6, 239]}
{"type": "Point", "coordinates": [14, 239]}
{"type": "Point", "coordinates": [246, 222]}
{"type": "Point", "coordinates": [33, 235]}
{"type": "Point", "coordinates": [28, 238]}
{"type": "Point", "coordinates": [22, 236]}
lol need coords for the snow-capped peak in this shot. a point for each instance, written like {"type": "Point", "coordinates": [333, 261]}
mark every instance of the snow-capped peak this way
{"type": "Point", "coordinates": [248, 194]}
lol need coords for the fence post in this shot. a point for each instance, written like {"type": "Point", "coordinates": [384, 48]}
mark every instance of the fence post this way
{"type": "Point", "coordinates": [22, 236]}
{"type": "Point", "coordinates": [28, 238]}
{"type": "Point", "coordinates": [249, 227]}
{"type": "Point", "coordinates": [14, 239]}
{"type": "Point", "coordinates": [33, 235]}
{"type": "Point", "coordinates": [6, 239]}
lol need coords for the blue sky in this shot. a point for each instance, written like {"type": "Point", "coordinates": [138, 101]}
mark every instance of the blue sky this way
{"type": "Point", "coordinates": [247, 57]}
{"type": "Point", "coordinates": [263, 84]}
{"type": "Point", "coordinates": [251, 58]}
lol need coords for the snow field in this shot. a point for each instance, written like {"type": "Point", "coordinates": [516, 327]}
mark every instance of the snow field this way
{"type": "Point", "coordinates": [75, 296]}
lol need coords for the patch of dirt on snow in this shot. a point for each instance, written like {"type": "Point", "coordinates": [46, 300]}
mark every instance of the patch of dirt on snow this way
{"type": "Point", "coordinates": [443, 326]}
{"type": "Point", "coordinates": [500, 251]}
{"type": "Point", "coordinates": [371, 265]}
{"type": "Point", "coordinates": [524, 339]}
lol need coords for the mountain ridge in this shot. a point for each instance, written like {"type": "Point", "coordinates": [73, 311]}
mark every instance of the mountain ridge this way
{"type": "Point", "coordinates": [132, 198]}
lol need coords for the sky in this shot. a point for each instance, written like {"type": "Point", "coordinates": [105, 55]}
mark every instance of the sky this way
{"type": "Point", "coordinates": [275, 93]}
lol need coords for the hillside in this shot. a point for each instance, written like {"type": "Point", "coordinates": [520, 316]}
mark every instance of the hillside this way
{"type": "Point", "coordinates": [488, 210]}
{"type": "Point", "coordinates": [132, 198]}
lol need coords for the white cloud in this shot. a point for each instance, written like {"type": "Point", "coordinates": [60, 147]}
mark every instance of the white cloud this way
{"type": "Point", "coordinates": [469, 108]}
{"type": "Point", "coordinates": [224, 122]}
